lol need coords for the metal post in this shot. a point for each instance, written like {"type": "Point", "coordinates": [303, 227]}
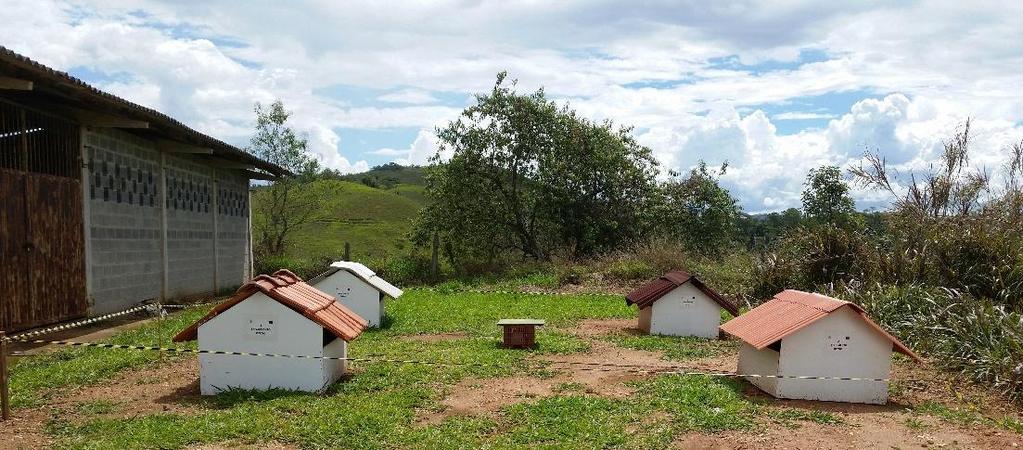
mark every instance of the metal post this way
{"type": "Point", "coordinates": [5, 395]}
{"type": "Point", "coordinates": [348, 252]}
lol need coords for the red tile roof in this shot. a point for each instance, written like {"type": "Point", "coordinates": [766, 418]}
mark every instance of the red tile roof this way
{"type": "Point", "coordinates": [645, 295]}
{"type": "Point", "coordinates": [288, 289]}
{"type": "Point", "coordinates": [791, 310]}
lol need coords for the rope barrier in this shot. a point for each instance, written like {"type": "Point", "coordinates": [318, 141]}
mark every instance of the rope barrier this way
{"type": "Point", "coordinates": [605, 367]}
{"type": "Point", "coordinates": [507, 292]}
{"type": "Point", "coordinates": [161, 307]}
{"type": "Point", "coordinates": [68, 326]}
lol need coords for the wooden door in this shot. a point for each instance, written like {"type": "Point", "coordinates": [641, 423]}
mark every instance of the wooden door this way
{"type": "Point", "coordinates": [42, 244]}
{"type": "Point", "coordinates": [14, 285]}
{"type": "Point", "coordinates": [56, 247]}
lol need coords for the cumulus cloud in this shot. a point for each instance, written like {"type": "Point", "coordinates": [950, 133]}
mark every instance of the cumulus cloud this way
{"type": "Point", "coordinates": [699, 80]}
{"type": "Point", "coordinates": [323, 144]}
{"type": "Point", "coordinates": [419, 153]}
{"type": "Point", "coordinates": [767, 169]}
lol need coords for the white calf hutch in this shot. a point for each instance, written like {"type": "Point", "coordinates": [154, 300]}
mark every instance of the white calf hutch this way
{"type": "Point", "coordinates": [358, 288]}
{"type": "Point", "coordinates": [277, 314]}
{"type": "Point", "coordinates": [678, 304]}
{"type": "Point", "coordinates": [802, 334]}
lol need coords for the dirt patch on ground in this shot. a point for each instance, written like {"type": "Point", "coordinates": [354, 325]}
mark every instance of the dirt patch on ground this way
{"type": "Point", "coordinates": [879, 429]}
{"type": "Point", "coordinates": [605, 371]}
{"type": "Point", "coordinates": [487, 396]}
{"type": "Point", "coordinates": [171, 386]}
{"type": "Point", "coordinates": [437, 337]}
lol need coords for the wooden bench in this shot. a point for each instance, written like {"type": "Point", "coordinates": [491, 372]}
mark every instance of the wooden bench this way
{"type": "Point", "coordinates": [520, 333]}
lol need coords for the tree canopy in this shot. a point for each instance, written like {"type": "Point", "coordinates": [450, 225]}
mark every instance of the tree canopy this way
{"type": "Point", "coordinates": [697, 210]}
{"type": "Point", "coordinates": [282, 209]}
{"type": "Point", "coordinates": [826, 197]}
{"type": "Point", "coordinates": [529, 176]}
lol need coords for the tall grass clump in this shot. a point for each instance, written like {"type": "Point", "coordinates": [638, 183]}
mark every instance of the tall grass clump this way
{"type": "Point", "coordinates": [978, 338]}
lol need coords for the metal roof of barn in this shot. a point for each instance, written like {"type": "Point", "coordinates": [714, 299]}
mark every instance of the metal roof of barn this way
{"type": "Point", "coordinates": [288, 289]}
{"type": "Point", "coordinates": [58, 92]}
{"type": "Point", "coordinates": [790, 311]}
{"type": "Point", "coordinates": [364, 273]}
{"type": "Point", "coordinates": [645, 295]}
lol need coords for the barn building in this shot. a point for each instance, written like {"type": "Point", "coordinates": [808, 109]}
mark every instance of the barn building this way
{"type": "Point", "coordinates": [278, 314]}
{"type": "Point", "coordinates": [358, 288]}
{"type": "Point", "coordinates": [801, 334]}
{"type": "Point", "coordinates": [678, 304]}
{"type": "Point", "coordinates": [105, 203]}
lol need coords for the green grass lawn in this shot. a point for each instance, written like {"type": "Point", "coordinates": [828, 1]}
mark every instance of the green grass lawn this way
{"type": "Point", "coordinates": [377, 407]}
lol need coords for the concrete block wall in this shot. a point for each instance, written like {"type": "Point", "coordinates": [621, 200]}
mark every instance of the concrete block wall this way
{"type": "Point", "coordinates": [190, 210]}
{"type": "Point", "coordinates": [124, 223]}
{"type": "Point", "coordinates": [207, 231]}
{"type": "Point", "coordinates": [232, 230]}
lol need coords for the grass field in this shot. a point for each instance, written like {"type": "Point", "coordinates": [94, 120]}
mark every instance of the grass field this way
{"type": "Point", "coordinates": [387, 405]}
{"type": "Point", "coordinates": [374, 221]}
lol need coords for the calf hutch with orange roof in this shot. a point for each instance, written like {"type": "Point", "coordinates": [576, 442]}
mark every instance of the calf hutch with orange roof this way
{"type": "Point", "coordinates": [358, 288]}
{"type": "Point", "coordinates": [278, 314]}
{"type": "Point", "coordinates": [678, 304]}
{"type": "Point", "coordinates": [799, 334]}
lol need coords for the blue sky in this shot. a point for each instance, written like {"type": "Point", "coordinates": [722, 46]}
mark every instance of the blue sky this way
{"type": "Point", "coordinates": [774, 88]}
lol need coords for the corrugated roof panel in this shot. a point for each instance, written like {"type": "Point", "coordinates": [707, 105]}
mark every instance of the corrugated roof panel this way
{"type": "Point", "coordinates": [43, 74]}
{"type": "Point", "coordinates": [788, 312]}
{"type": "Point", "coordinates": [288, 289]}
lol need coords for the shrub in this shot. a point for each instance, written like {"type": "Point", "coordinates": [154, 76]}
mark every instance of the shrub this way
{"type": "Point", "coordinates": [406, 269]}
{"type": "Point", "coordinates": [628, 269]}
{"type": "Point", "coordinates": [303, 267]}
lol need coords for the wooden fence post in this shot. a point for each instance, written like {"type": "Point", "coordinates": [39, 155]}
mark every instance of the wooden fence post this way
{"type": "Point", "coordinates": [348, 252]}
{"type": "Point", "coordinates": [5, 395]}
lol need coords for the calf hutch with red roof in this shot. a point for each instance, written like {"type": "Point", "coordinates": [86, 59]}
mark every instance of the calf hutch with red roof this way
{"type": "Point", "coordinates": [799, 334]}
{"type": "Point", "coordinates": [678, 304]}
{"type": "Point", "coordinates": [358, 288]}
{"type": "Point", "coordinates": [278, 314]}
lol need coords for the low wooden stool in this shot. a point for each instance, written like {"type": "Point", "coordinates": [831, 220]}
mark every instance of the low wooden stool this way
{"type": "Point", "coordinates": [520, 333]}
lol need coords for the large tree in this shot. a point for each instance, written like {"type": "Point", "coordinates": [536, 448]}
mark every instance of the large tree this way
{"type": "Point", "coordinates": [281, 207]}
{"type": "Point", "coordinates": [528, 176]}
{"type": "Point", "coordinates": [826, 198]}
{"type": "Point", "coordinates": [698, 211]}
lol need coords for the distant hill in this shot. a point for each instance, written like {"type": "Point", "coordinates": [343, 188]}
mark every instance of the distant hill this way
{"type": "Point", "coordinates": [375, 221]}
{"type": "Point", "coordinates": [389, 175]}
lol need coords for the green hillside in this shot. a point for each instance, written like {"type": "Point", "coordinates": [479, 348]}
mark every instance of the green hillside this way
{"type": "Point", "coordinates": [374, 221]}
{"type": "Point", "coordinates": [414, 192]}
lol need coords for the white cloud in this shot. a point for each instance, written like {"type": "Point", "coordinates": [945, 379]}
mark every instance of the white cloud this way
{"type": "Point", "coordinates": [767, 169]}
{"type": "Point", "coordinates": [409, 96]}
{"type": "Point", "coordinates": [423, 148]}
{"type": "Point", "coordinates": [799, 115]}
{"type": "Point", "coordinates": [323, 144]}
{"type": "Point", "coordinates": [656, 66]}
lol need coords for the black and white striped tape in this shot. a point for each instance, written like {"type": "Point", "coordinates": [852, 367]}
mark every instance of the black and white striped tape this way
{"type": "Point", "coordinates": [68, 326]}
{"type": "Point", "coordinates": [606, 367]}
{"type": "Point", "coordinates": [520, 293]}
